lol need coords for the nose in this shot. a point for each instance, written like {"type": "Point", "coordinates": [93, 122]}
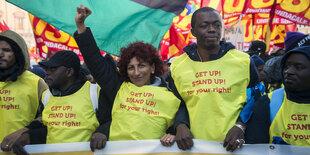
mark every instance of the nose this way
{"type": "Point", "coordinates": [211, 28]}
{"type": "Point", "coordinates": [1, 52]}
{"type": "Point", "coordinates": [136, 71]}
{"type": "Point", "coordinates": [289, 70]}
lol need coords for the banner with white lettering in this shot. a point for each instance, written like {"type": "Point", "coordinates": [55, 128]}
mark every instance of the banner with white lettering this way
{"type": "Point", "coordinates": [201, 147]}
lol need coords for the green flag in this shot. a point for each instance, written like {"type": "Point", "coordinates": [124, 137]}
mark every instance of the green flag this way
{"type": "Point", "coordinates": [114, 23]}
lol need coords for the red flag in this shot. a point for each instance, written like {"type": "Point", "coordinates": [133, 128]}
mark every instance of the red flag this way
{"type": "Point", "coordinates": [3, 26]}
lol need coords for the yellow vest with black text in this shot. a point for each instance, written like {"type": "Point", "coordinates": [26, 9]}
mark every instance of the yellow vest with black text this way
{"type": "Point", "coordinates": [291, 123]}
{"type": "Point", "coordinates": [70, 118]}
{"type": "Point", "coordinates": [214, 92]}
{"type": "Point", "coordinates": [142, 112]}
{"type": "Point", "coordinates": [19, 102]}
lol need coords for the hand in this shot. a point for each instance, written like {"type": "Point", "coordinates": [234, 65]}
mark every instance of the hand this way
{"type": "Point", "coordinates": [82, 13]}
{"type": "Point", "coordinates": [184, 137]}
{"type": "Point", "coordinates": [18, 146]}
{"type": "Point", "coordinates": [234, 139]}
{"type": "Point", "coordinates": [9, 140]}
{"type": "Point", "coordinates": [98, 141]}
{"type": "Point", "coordinates": [167, 139]}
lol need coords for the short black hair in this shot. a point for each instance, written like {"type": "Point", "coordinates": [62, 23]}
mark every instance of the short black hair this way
{"type": "Point", "coordinates": [203, 9]}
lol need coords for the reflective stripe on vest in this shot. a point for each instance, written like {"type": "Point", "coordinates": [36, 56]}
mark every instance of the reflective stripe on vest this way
{"type": "Point", "coordinates": [70, 118]}
{"type": "Point", "coordinates": [276, 102]}
{"type": "Point", "coordinates": [214, 92]}
{"type": "Point", "coordinates": [142, 112]}
{"type": "Point", "coordinates": [19, 102]}
{"type": "Point", "coordinates": [93, 91]}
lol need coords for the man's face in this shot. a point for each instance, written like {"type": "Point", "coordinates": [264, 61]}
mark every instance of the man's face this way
{"type": "Point", "coordinates": [55, 76]}
{"type": "Point", "coordinates": [297, 72]}
{"type": "Point", "coordinates": [208, 29]}
{"type": "Point", "coordinates": [7, 56]}
{"type": "Point", "coordinates": [260, 70]}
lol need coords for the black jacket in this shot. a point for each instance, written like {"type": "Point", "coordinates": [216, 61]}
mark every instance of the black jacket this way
{"type": "Point", "coordinates": [104, 70]}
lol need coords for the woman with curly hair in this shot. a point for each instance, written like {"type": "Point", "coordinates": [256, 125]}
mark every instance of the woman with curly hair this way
{"type": "Point", "coordinates": [137, 104]}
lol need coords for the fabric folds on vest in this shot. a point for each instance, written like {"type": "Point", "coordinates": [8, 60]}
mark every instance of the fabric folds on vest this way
{"type": "Point", "coordinates": [291, 124]}
{"type": "Point", "coordinates": [18, 103]}
{"type": "Point", "coordinates": [142, 112]}
{"type": "Point", "coordinates": [70, 118]}
{"type": "Point", "coordinates": [214, 92]}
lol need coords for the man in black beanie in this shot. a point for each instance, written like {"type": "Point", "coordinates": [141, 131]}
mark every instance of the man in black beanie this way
{"type": "Point", "coordinates": [70, 105]}
{"type": "Point", "coordinates": [295, 39]}
{"type": "Point", "coordinates": [20, 89]}
{"type": "Point", "coordinates": [288, 122]}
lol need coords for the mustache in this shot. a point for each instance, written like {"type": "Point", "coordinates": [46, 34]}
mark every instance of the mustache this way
{"type": "Point", "coordinates": [3, 60]}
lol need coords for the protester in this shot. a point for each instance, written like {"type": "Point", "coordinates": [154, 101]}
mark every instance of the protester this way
{"type": "Point", "coordinates": [212, 79]}
{"type": "Point", "coordinates": [143, 108]}
{"type": "Point", "coordinates": [289, 106]}
{"type": "Point", "coordinates": [88, 75]}
{"type": "Point", "coordinates": [20, 89]}
{"type": "Point", "coordinates": [259, 63]}
{"type": "Point", "coordinates": [295, 39]}
{"type": "Point", "coordinates": [258, 48]}
{"type": "Point", "coordinates": [69, 105]}
{"type": "Point", "coordinates": [277, 52]}
{"type": "Point", "coordinates": [272, 74]}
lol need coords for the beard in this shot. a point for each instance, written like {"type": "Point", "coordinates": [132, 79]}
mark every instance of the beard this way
{"type": "Point", "coordinates": [212, 46]}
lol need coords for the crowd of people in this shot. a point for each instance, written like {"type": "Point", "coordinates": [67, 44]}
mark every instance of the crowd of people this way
{"type": "Point", "coordinates": [211, 92]}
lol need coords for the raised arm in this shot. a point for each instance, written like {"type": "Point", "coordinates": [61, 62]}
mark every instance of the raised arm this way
{"type": "Point", "coordinates": [102, 68]}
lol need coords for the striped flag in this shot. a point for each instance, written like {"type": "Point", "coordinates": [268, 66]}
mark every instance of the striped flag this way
{"type": "Point", "coordinates": [114, 23]}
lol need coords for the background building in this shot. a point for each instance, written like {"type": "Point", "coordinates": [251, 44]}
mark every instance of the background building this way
{"type": "Point", "coordinates": [18, 21]}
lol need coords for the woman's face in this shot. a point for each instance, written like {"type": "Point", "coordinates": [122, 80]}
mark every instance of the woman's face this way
{"type": "Point", "coordinates": [139, 72]}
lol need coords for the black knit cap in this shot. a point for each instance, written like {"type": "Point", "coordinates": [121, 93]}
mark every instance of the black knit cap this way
{"type": "Point", "coordinates": [303, 49]}
{"type": "Point", "coordinates": [258, 46]}
{"type": "Point", "coordinates": [63, 58]}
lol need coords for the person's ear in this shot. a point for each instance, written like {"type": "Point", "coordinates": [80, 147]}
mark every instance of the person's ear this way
{"type": "Point", "coordinates": [153, 68]}
{"type": "Point", "coordinates": [193, 32]}
{"type": "Point", "coordinates": [70, 72]}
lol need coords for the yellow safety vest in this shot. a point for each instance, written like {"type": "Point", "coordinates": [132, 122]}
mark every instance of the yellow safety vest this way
{"type": "Point", "coordinates": [19, 103]}
{"type": "Point", "coordinates": [214, 92]}
{"type": "Point", "coordinates": [292, 123]}
{"type": "Point", "coordinates": [70, 118]}
{"type": "Point", "coordinates": [142, 112]}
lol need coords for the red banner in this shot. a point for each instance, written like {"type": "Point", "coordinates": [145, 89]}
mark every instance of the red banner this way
{"type": "Point", "coordinates": [179, 35]}
{"type": "Point", "coordinates": [262, 19]}
{"type": "Point", "coordinates": [297, 11]}
{"type": "Point", "coordinates": [258, 6]}
{"type": "Point", "coordinates": [50, 40]}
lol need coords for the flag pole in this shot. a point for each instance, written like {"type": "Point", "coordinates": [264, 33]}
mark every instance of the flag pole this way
{"type": "Point", "coordinates": [238, 27]}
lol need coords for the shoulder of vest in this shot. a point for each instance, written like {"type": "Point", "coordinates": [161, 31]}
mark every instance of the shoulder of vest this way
{"type": "Point", "coordinates": [30, 75]}
{"type": "Point", "coordinates": [178, 60]}
{"type": "Point", "coordinates": [276, 102]}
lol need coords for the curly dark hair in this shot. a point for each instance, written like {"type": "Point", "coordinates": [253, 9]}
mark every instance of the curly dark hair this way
{"type": "Point", "coordinates": [143, 52]}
